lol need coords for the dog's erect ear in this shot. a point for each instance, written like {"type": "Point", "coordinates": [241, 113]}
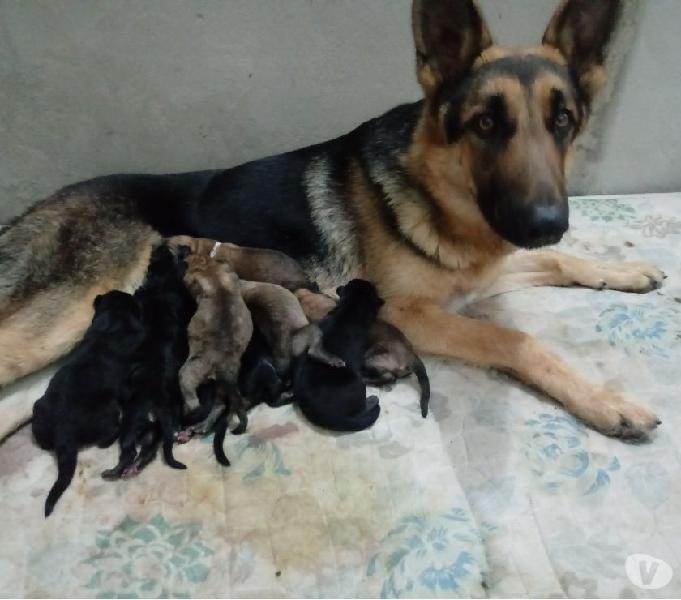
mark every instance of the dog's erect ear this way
{"type": "Point", "coordinates": [580, 30]}
{"type": "Point", "coordinates": [449, 35]}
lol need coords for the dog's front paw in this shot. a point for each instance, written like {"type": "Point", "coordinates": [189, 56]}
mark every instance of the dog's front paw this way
{"type": "Point", "coordinates": [637, 277]}
{"type": "Point", "coordinates": [616, 417]}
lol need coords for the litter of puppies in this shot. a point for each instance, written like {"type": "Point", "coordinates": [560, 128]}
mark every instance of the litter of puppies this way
{"type": "Point", "coordinates": [214, 330]}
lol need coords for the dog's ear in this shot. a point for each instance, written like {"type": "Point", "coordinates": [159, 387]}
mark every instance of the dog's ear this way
{"type": "Point", "coordinates": [449, 35]}
{"type": "Point", "coordinates": [97, 301]}
{"type": "Point", "coordinates": [580, 30]}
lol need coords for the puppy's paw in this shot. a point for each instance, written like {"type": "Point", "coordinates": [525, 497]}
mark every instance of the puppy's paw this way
{"type": "Point", "coordinates": [183, 436]}
{"type": "Point", "coordinates": [131, 471]}
{"type": "Point", "coordinates": [111, 474]}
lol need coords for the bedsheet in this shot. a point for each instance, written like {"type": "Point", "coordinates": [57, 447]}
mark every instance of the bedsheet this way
{"type": "Point", "coordinates": [497, 493]}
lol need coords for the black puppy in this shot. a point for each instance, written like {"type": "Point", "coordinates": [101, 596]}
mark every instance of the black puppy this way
{"type": "Point", "coordinates": [153, 410]}
{"type": "Point", "coordinates": [81, 406]}
{"type": "Point", "coordinates": [335, 397]}
{"type": "Point", "coordinates": [259, 381]}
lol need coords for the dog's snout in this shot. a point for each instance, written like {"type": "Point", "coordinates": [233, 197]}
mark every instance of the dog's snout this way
{"type": "Point", "coordinates": [548, 222]}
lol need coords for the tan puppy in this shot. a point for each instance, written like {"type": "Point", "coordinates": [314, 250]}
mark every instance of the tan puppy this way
{"type": "Point", "coordinates": [250, 264]}
{"type": "Point", "coordinates": [282, 321]}
{"type": "Point", "coordinates": [218, 335]}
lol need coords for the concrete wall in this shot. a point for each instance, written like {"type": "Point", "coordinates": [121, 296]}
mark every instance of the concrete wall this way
{"type": "Point", "coordinates": [89, 87]}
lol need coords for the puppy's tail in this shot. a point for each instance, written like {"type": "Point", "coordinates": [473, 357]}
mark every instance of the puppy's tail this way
{"type": "Point", "coordinates": [67, 457]}
{"type": "Point", "coordinates": [424, 382]}
{"type": "Point", "coordinates": [219, 440]}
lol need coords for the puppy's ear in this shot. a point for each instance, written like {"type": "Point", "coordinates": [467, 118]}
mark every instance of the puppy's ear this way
{"type": "Point", "coordinates": [580, 30]}
{"type": "Point", "coordinates": [449, 35]}
{"type": "Point", "coordinates": [97, 301]}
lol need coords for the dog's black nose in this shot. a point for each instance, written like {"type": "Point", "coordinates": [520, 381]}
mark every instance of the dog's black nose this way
{"type": "Point", "coordinates": [548, 222]}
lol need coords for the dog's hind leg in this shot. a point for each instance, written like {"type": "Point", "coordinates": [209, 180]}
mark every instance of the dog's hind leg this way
{"type": "Point", "coordinates": [130, 428]}
{"type": "Point", "coordinates": [524, 269]}
{"type": "Point", "coordinates": [434, 331]}
{"type": "Point", "coordinates": [168, 433]}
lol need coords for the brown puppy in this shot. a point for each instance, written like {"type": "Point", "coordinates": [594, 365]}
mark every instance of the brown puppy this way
{"type": "Point", "coordinates": [389, 356]}
{"type": "Point", "coordinates": [250, 264]}
{"type": "Point", "coordinates": [218, 335]}
{"type": "Point", "coordinates": [282, 321]}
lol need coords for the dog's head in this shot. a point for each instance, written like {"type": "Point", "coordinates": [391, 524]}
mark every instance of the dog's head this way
{"type": "Point", "coordinates": [503, 121]}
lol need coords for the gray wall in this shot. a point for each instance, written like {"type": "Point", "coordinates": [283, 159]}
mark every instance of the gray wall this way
{"type": "Point", "coordinates": [89, 87]}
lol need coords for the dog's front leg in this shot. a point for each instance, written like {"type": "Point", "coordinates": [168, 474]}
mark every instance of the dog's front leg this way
{"type": "Point", "coordinates": [524, 269]}
{"type": "Point", "coordinates": [434, 331]}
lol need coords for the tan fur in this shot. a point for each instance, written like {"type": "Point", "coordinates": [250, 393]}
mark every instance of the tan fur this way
{"type": "Point", "coordinates": [251, 264]}
{"type": "Point", "coordinates": [218, 334]}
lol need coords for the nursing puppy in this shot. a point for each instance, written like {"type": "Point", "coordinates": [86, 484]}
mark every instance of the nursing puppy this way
{"type": "Point", "coordinates": [389, 355]}
{"type": "Point", "coordinates": [281, 319]}
{"type": "Point", "coordinates": [153, 410]}
{"type": "Point", "coordinates": [82, 404]}
{"type": "Point", "coordinates": [250, 264]}
{"type": "Point", "coordinates": [259, 381]}
{"type": "Point", "coordinates": [218, 333]}
{"type": "Point", "coordinates": [335, 397]}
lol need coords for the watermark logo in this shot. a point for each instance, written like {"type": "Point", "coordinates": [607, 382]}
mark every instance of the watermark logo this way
{"type": "Point", "coordinates": [647, 572]}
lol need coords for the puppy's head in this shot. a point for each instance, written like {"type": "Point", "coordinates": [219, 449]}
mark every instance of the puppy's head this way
{"type": "Point", "coordinates": [360, 291]}
{"type": "Point", "coordinates": [120, 312]}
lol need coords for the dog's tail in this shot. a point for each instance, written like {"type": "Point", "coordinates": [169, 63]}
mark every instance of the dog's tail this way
{"type": "Point", "coordinates": [419, 370]}
{"type": "Point", "coordinates": [67, 457]}
{"type": "Point", "coordinates": [219, 440]}
{"type": "Point", "coordinates": [54, 260]}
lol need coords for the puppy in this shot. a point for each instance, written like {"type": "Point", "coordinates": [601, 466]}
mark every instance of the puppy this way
{"type": "Point", "coordinates": [167, 307]}
{"type": "Point", "coordinates": [218, 333]}
{"type": "Point", "coordinates": [281, 319]}
{"type": "Point", "coordinates": [389, 356]}
{"type": "Point", "coordinates": [259, 381]}
{"type": "Point", "coordinates": [82, 404]}
{"type": "Point", "coordinates": [333, 397]}
{"type": "Point", "coordinates": [250, 264]}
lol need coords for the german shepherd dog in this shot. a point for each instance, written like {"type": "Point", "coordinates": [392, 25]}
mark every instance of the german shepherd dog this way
{"type": "Point", "coordinates": [431, 202]}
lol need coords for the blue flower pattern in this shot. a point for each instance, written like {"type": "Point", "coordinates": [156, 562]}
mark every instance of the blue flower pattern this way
{"type": "Point", "coordinates": [425, 556]}
{"type": "Point", "coordinates": [557, 456]}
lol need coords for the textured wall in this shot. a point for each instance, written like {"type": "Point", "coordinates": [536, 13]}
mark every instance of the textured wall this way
{"type": "Point", "coordinates": [97, 86]}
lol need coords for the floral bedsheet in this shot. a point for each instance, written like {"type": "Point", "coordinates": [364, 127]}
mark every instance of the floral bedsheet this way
{"type": "Point", "coordinates": [497, 493]}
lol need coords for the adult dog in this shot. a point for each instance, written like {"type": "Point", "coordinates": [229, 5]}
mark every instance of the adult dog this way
{"type": "Point", "coordinates": [430, 202]}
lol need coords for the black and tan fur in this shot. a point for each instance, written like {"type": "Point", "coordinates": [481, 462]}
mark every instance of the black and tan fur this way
{"type": "Point", "coordinates": [432, 202]}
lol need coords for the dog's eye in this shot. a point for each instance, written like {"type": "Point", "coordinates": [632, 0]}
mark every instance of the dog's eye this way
{"type": "Point", "coordinates": [485, 124]}
{"type": "Point", "coordinates": [562, 120]}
